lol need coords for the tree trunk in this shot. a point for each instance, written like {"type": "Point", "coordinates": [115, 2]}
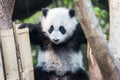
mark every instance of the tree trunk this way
{"type": "Point", "coordinates": [6, 10]}
{"type": "Point", "coordinates": [96, 38]}
{"type": "Point", "coordinates": [114, 38]}
{"type": "Point", "coordinates": [94, 70]}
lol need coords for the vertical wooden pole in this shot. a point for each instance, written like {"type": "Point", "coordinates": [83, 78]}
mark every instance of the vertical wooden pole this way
{"type": "Point", "coordinates": [1, 68]}
{"type": "Point", "coordinates": [25, 54]}
{"type": "Point", "coordinates": [9, 54]}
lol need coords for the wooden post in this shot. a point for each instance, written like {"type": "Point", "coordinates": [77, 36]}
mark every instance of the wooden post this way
{"type": "Point", "coordinates": [1, 68]}
{"type": "Point", "coordinates": [25, 54]}
{"type": "Point", "coordinates": [9, 54]}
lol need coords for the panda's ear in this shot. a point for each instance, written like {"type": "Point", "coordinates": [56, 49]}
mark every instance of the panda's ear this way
{"type": "Point", "coordinates": [44, 12]}
{"type": "Point", "coordinates": [72, 12]}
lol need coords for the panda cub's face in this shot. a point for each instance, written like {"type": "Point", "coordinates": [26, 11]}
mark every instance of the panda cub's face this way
{"type": "Point", "coordinates": [58, 24]}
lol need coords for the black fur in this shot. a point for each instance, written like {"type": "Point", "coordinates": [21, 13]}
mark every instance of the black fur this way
{"type": "Point", "coordinates": [51, 29]}
{"type": "Point", "coordinates": [44, 12]}
{"type": "Point", "coordinates": [62, 29]}
{"type": "Point", "coordinates": [72, 13]}
{"type": "Point", "coordinates": [79, 75]}
{"type": "Point", "coordinates": [73, 42]}
{"type": "Point", "coordinates": [38, 37]}
{"type": "Point", "coordinates": [43, 75]}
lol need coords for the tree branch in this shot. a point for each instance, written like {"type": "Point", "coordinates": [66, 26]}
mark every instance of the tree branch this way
{"type": "Point", "coordinates": [96, 38]}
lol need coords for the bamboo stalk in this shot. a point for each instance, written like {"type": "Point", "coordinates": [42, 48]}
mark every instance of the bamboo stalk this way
{"type": "Point", "coordinates": [17, 50]}
{"type": "Point", "coordinates": [9, 54]}
{"type": "Point", "coordinates": [25, 54]}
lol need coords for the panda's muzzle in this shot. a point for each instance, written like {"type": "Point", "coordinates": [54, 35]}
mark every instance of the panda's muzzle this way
{"type": "Point", "coordinates": [55, 40]}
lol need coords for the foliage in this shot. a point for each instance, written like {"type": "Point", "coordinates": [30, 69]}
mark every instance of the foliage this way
{"type": "Point", "coordinates": [34, 18]}
{"type": "Point", "coordinates": [103, 18]}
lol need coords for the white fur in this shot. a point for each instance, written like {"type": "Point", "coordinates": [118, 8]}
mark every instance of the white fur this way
{"type": "Point", "coordinates": [60, 62]}
{"type": "Point", "coordinates": [58, 17]}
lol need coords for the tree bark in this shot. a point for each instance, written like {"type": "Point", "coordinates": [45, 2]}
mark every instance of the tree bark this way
{"type": "Point", "coordinates": [94, 70]}
{"type": "Point", "coordinates": [6, 10]}
{"type": "Point", "coordinates": [96, 38]}
{"type": "Point", "coordinates": [114, 39]}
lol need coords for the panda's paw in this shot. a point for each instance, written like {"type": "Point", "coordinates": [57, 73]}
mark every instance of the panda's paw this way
{"type": "Point", "coordinates": [24, 25]}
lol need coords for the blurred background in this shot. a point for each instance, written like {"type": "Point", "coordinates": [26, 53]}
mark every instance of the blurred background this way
{"type": "Point", "coordinates": [29, 11]}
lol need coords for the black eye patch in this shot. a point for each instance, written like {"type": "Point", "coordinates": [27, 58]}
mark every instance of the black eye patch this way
{"type": "Point", "coordinates": [62, 29]}
{"type": "Point", "coordinates": [51, 29]}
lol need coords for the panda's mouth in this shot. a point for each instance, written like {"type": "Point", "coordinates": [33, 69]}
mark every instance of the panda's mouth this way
{"type": "Point", "coordinates": [56, 42]}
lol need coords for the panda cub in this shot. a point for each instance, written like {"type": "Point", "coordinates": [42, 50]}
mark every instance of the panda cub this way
{"type": "Point", "coordinates": [59, 37]}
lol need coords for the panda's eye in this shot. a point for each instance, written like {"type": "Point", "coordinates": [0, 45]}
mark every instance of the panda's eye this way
{"type": "Point", "coordinates": [51, 29]}
{"type": "Point", "coordinates": [62, 29]}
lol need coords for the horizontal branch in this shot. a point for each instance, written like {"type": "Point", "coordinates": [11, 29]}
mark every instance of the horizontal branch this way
{"type": "Point", "coordinates": [96, 38]}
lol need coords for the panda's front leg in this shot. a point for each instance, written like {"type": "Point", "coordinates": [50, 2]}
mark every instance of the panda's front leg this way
{"type": "Point", "coordinates": [35, 32]}
{"type": "Point", "coordinates": [39, 74]}
{"type": "Point", "coordinates": [79, 75]}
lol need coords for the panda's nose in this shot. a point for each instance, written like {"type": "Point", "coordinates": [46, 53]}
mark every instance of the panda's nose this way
{"type": "Point", "coordinates": [56, 40]}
